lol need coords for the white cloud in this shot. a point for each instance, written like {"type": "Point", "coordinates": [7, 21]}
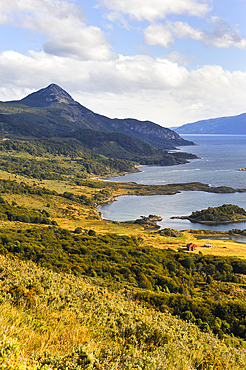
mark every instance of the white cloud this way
{"type": "Point", "coordinates": [163, 35]}
{"type": "Point", "coordinates": [152, 10]}
{"type": "Point", "coordinates": [63, 23]}
{"type": "Point", "coordinates": [185, 31]}
{"type": "Point", "coordinates": [176, 57]}
{"type": "Point", "coordinates": [158, 34]}
{"type": "Point", "coordinates": [86, 43]}
{"type": "Point", "coordinates": [221, 36]}
{"type": "Point", "coordinates": [78, 57]}
{"type": "Point", "coordinates": [36, 14]}
{"type": "Point", "coordinates": [140, 87]}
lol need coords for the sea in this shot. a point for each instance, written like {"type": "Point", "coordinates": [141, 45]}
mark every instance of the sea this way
{"type": "Point", "coordinates": [219, 158]}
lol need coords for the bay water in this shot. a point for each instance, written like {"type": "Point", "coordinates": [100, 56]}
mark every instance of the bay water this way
{"type": "Point", "coordinates": [219, 157]}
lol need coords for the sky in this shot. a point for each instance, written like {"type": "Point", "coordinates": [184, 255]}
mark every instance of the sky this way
{"type": "Point", "coordinates": [168, 61]}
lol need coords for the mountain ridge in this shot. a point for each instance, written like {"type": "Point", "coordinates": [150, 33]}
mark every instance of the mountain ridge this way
{"type": "Point", "coordinates": [67, 115]}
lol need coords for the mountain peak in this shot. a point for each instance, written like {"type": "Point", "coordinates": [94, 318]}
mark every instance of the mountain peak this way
{"type": "Point", "coordinates": [52, 95]}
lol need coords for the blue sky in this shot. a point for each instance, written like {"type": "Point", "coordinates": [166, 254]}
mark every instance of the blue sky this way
{"type": "Point", "coordinates": [168, 61]}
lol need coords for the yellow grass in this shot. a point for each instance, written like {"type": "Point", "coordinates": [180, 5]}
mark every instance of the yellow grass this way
{"type": "Point", "coordinates": [67, 314]}
{"type": "Point", "coordinates": [222, 248]}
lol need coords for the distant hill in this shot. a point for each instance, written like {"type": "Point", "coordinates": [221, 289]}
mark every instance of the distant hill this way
{"type": "Point", "coordinates": [56, 112]}
{"type": "Point", "coordinates": [233, 125]}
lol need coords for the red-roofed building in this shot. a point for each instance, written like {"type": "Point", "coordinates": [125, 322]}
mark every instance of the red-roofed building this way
{"type": "Point", "coordinates": [191, 247]}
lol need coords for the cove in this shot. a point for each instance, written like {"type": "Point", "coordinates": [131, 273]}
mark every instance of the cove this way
{"type": "Point", "coordinates": [220, 156]}
{"type": "Point", "coordinates": [127, 208]}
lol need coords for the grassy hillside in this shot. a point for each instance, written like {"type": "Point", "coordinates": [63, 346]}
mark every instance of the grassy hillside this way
{"type": "Point", "coordinates": [76, 323]}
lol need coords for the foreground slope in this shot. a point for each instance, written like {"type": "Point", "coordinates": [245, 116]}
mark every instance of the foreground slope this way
{"type": "Point", "coordinates": [53, 109]}
{"type": "Point", "coordinates": [75, 323]}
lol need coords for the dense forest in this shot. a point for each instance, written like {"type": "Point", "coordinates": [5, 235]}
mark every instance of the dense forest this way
{"type": "Point", "coordinates": [58, 159]}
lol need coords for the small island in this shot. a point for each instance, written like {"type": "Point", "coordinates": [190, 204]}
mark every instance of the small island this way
{"type": "Point", "coordinates": [148, 222]}
{"type": "Point", "coordinates": [228, 213]}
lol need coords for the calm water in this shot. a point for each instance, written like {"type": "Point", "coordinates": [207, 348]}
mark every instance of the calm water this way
{"type": "Point", "coordinates": [219, 158]}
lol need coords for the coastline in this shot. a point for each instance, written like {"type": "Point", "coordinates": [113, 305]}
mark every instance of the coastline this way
{"type": "Point", "coordinates": [199, 182]}
{"type": "Point", "coordinates": [128, 189]}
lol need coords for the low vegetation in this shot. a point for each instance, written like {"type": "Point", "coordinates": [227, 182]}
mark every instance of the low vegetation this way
{"type": "Point", "coordinates": [77, 323]}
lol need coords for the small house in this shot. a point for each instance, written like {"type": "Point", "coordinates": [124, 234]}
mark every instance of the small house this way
{"type": "Point", "coordinates": [191, 247]}
{"type": "Point", "coordinates": [207, 245]}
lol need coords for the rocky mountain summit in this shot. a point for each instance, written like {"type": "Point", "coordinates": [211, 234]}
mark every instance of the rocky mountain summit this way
{"type": "Point", "coordinates": [53, 95]}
